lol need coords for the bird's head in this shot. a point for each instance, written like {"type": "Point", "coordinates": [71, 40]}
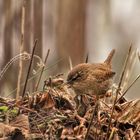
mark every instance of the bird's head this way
{"type": "Point", "coordinates": [78, 73]}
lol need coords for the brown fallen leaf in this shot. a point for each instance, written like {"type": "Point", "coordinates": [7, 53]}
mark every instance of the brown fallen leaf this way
{"type": "Point", "coordinates": [130, 112]}
{"type": "Point", "coordinates": [21, 122]}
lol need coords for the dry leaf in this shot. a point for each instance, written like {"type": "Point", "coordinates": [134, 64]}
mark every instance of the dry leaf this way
{"type": "Point", "coordinates": [130, 112]}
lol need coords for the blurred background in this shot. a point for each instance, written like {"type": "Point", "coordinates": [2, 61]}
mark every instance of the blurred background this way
{"type": "Point", "coordinates": [70, 29]}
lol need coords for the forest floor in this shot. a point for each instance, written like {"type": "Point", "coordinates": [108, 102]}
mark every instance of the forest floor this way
{"type": "Point", "coordinates": [56, 113]}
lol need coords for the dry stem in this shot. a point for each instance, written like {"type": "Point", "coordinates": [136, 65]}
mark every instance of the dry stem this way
{"type": "Point", "coordinates": [21, 50]}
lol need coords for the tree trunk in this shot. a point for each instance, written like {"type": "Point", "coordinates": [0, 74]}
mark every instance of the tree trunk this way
{"type": "Point", "coordinates": [7, 32]}
{"type": "Point", "coordinates": [7, 49]}
{"type": "Point", "coordinates": [37, 27]}
{"type": "Point", "coordinates": [70, 30]}
{"type": "Point", "coordinates": [27, 37]}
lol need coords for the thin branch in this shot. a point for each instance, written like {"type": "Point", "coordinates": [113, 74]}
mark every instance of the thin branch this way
{"type": "Point", "coordinates": [70, 63]}
{"type": "Point", "coordinates": [26, 81]}
{"type": "Point", "coordinates": [92, 117]}
{"type": "Point", "coordinates": [135, 132]}
{"type": "Point", "coordinates": [131, 63]}
{"type": "Point", "coordinates": [40, 76]}
{"type": "Point", "coordinates": [86, 61]}
{"type": "Point", "coordinates": [128, 88]}
{"type": "Point", "coordinates": [124, 69]}
{"type": "Point", "coordinates": [21, 50]}
{"type": "Point", "coordinates": [118, 89]}
{"type": "Point", "coordinates": [139, 55]}
{"type": "Point", "coordinates": [22, 84]}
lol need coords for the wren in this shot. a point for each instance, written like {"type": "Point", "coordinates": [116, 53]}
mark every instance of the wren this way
{"type": "Point", "coordinates": [92, 79]}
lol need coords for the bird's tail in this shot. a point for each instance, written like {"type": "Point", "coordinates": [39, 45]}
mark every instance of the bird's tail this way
{"type": "Point", "coordinates": [109, 58]}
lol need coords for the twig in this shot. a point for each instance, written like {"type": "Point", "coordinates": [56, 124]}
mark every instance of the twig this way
{"type": "Point", "coordinates": [36, 75]}
{"type": "Point", "coordinates": [139, 55]}
{"type": "Point", "coordinates": [124, 69]}
{"type": "Point", "coordinates": [112, 133]}
{"type": "Point", "coordinates": [92, 117]}
{"type": "Point", "coordinates": [87, 58]}
{"type": "Point", "coordinates": [135, 132]}
{"type": "Point", "coordinates": [26, 81]}
{"type": "Point", "coordinates": [118, 89]}
{"type": "Point", "coordinates": [130, 67]}
{"type": "Point", "coordinates": [128, 88]}
{"type": "Point", "coordinates": [21, 50]}
{"type": "Point", "coordinates": [70, 63]}
{"type": "Point", "coordinates": [106, 105]}
{"type": "Point", "coordinates": [37, 126]}
{"type": "Point", "coordinates": [40, 76]}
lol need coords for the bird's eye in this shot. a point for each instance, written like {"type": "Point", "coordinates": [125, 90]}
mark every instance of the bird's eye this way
{"type": "Point", "coordinates": [75, 77]}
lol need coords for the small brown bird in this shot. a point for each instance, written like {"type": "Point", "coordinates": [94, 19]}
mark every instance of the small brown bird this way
{"type": "Point", "coordinates": [92, 79]}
